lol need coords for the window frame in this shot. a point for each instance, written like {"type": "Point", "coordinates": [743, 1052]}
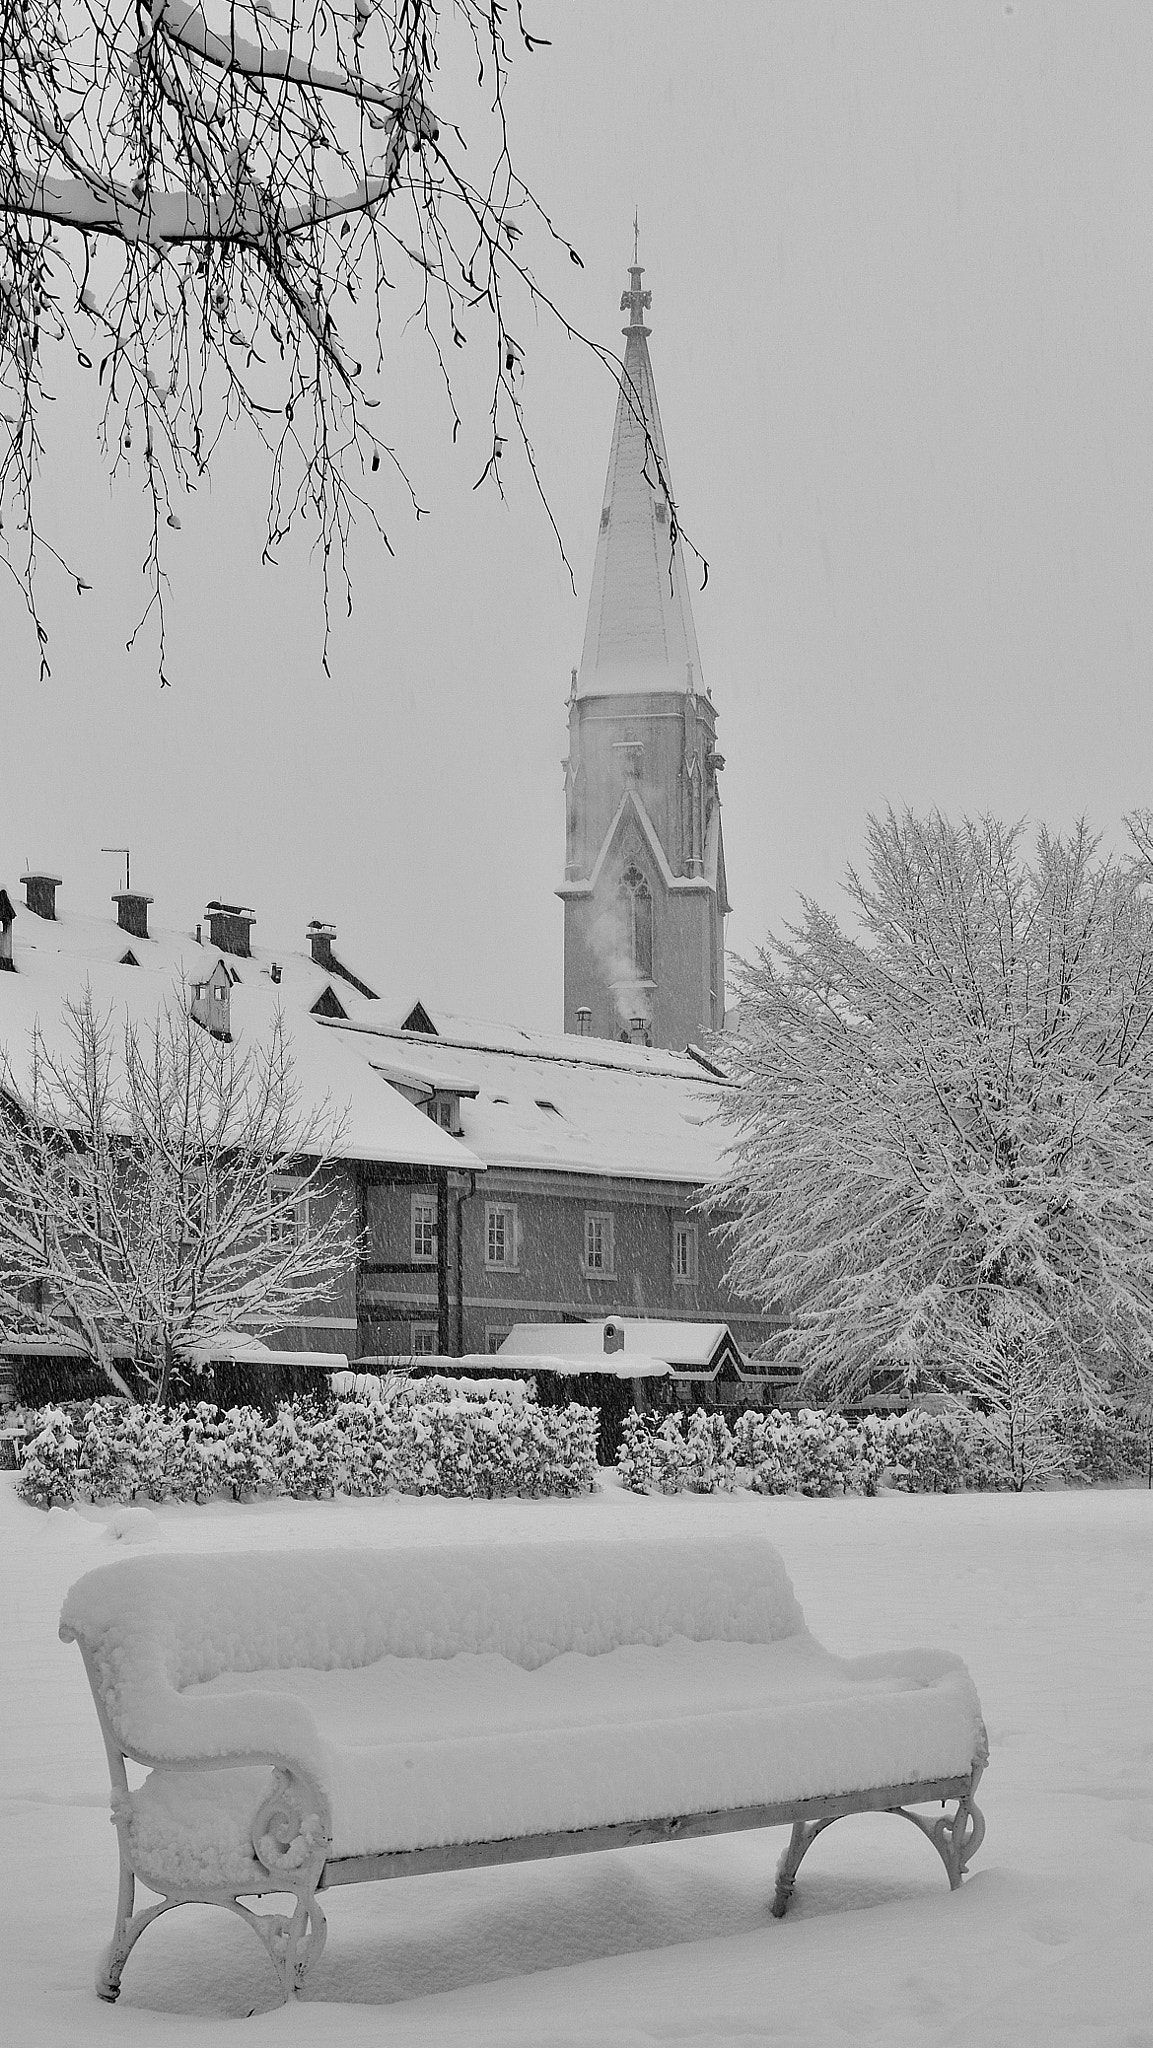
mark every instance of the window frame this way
{"type": "Point", "coordinates": [422, 1202]}
{"type": "Point", "coordinates": [606, 1270]}
{"type": "Point", "coordinates": [683, 1228]}
{"type": "Point", "coordinates": [280, 1185]}
{"type": "Point", "coordinates": [418, 1329]}
{"type": "Point", "coordinates": [511, 1262]}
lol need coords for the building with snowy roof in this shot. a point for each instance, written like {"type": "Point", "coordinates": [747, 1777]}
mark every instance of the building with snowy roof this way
{"type": "Point", "coordinates": [500, 1176]}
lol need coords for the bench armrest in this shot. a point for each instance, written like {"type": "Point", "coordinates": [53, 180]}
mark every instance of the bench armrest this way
{"type": "Point", "coordinates": [154, 1724]}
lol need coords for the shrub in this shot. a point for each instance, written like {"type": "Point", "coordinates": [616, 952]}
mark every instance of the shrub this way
{"type": "Point", "coordinates": [652, 1454]}
{"type": "Point", "coordinates": [709, 1464]}
{"type": "Point", "coordinates": [191, 1441]}
{"type": "Point", "coordinates": [302, 1448]}
{"type": "Point", "coordinates": [48, 1474]}
{"type": "Point", "coordinates": [770, 1449]}
{"type": "Point", "coordinates": [933, 1453]}
{"type": "Point", "coordinates": [245, 1463]}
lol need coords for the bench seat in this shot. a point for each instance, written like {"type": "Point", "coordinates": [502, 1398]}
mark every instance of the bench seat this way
{"type": "Point", "coordinates": [421, 1753]}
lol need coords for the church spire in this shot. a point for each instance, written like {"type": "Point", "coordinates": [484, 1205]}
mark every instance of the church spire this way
{"type": "Point", "coordinates": [639, 635]}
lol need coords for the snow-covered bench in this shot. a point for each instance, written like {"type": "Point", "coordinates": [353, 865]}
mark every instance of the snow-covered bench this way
{"type": "Point", "coordinates": [320, 1717]}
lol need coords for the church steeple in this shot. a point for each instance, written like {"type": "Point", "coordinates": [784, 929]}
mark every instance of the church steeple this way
{"type": "Point", "coordinates": [644, 889]}
{"type": "Point", "coordinates": [639, 634]}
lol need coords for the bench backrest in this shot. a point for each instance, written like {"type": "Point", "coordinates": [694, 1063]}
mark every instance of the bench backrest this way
{"type": "Point", "coordinates": [195, 1616]}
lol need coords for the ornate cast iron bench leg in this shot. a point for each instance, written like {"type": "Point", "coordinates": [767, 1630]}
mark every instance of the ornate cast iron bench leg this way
{"type": "Point", "coordinates": [804, 1834]}
{"type": "Point", "coordinates": [288, 1838]}
{"type": "Point", "coordinates": [955, 1836]}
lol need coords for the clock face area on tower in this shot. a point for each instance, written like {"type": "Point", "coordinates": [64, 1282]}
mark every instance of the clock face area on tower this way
{"type": "Point", "coordinates": [644, 890]}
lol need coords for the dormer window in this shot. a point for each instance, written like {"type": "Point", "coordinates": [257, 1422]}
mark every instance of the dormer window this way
{"type": "Point", "coordinates": [211, 1004]}
{"type": "Point", "coordinates": [444, 1109]}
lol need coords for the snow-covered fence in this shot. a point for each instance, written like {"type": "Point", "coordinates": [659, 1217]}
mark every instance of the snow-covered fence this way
{"type": "Point", "coordinates": [442, 1437]}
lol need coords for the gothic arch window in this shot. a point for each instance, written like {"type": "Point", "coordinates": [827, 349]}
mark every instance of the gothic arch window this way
{"type": "Point", "coordinates": [636, 915]}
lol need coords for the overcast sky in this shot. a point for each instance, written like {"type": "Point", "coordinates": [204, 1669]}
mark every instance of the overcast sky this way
{"type": "Point", "coordinates": [901, 257]}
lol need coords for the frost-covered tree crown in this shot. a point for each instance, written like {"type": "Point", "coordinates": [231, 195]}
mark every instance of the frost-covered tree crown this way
{"type": "Point", "coordinates": [943, 1130]}
{"type": "Point", "coordinates": [211, 207]}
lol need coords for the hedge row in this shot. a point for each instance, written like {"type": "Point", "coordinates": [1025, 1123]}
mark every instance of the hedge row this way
{"type": "Point", "coordinates": [820, 1452]}
{"type": "Point", "coordinates": [453, 1443]}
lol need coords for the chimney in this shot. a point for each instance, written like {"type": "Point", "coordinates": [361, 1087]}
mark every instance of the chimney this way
{"type": "Point", "coordinates": [229, 926]}
{"type": "Point", "coordinates": [132, 912]}
{"type": "Point", "coordinates": [40, 894]}
{"type": "Point", "coordinates": [7, 913]}
{"type": "Point", "coordinates": [320, 937]}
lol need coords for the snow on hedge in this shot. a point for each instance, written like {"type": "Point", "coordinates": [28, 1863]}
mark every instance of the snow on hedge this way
{"type": "Point", "coordinates": [458, 1442]}
{"type": "Point", "coordinates": [820, 1452]}
{"type": "Point", "coordinates": [456, 1693]}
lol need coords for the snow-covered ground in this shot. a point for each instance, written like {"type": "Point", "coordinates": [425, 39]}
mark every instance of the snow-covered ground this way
{"type": "Point", "coordinates": [1049, 1598]}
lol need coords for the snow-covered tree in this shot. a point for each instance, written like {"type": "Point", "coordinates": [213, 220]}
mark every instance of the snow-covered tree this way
{"type": "Point", "coordinates": [158, 1187]}
{"type": "Point", "coordinates": [219, 209]}
{"type": "Point", "coordinates": [942, 1161]}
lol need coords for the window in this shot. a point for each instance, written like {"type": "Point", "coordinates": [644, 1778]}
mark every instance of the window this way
{"type": "Point", "coordinates": [685, 1253]}
{"type": "Point", "coordinates": [494, 1336]}
{"type": "Point", "coordinates": [598, 1243]}
{"type": "Point", "coordinates": [500, 1236]}
{"type": "Point", "coordinates": [422, 1339]}
{"type": "Point", "coordinates": [423, 1229]}
{"type": "Point", "coordinates": [443, 1111]}
{"type": "Point", "coordinates": [287, 1209]}
{"type": "Point", "coordinates": [636, 915]}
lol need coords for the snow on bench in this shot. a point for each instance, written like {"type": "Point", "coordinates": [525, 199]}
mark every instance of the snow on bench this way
{"type": "Point", "coordinates": [321, 1717]}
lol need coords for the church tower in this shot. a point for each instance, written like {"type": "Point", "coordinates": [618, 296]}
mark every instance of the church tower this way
{"type": "Point", "coordinates": [644, 890]}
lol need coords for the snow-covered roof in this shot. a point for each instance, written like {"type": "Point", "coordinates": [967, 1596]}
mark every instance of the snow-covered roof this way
{"type": "Point", "coordinates": [548, 1359]}
{"type": "Point", "coordinates": [241, 1347]}
{"type": "Point", "coordinates": [557, 1102]}
{"type": "Point", "coordinates": [56, 959]}
{"type": "Point", "coordinates": [684, 1348]}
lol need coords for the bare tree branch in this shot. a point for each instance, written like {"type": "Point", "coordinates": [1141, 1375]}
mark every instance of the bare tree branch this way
{"type": "Point", "coordinates": [189, 190]}
{"type": "Point", "coordinates": [160, 1188]}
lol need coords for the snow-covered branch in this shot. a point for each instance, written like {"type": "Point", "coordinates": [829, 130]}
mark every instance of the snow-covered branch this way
{"type": "Point", "coordinates": [157, 1188]}
{"type": "Point", "coordinates": [942, 1133]}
